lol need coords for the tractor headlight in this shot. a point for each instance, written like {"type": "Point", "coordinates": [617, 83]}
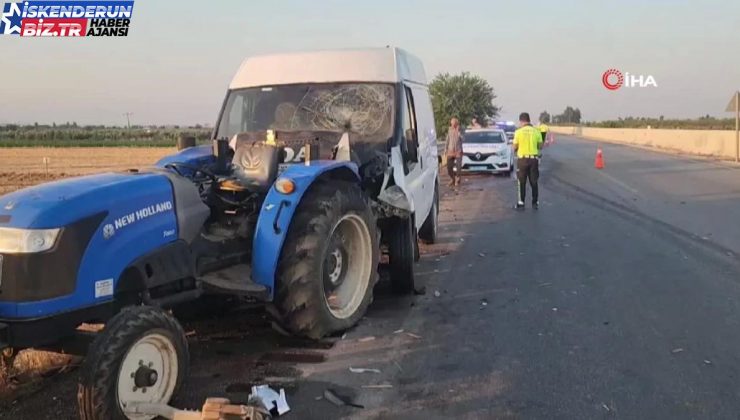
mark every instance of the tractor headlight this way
{"type": "Point", "coordinates": [27, 241]}
{"type": "Point", "coordinates": [285, 186]}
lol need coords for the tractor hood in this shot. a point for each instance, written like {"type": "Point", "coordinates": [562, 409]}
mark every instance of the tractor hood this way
{"type": "Point", "coordinates": [60, 203]}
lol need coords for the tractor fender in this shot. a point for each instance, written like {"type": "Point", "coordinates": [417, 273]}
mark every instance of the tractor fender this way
{"type": "Point", "coordinates": [277, 212]}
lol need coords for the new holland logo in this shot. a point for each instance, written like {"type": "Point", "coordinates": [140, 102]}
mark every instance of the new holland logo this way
{"type": "Point", "coordinates": [108, 231]}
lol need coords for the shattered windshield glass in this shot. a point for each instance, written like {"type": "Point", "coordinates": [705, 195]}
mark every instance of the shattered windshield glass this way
{"type": "Point", "coordinates": [364, 109]}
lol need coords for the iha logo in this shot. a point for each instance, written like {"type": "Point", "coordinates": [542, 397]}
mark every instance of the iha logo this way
{"type": "Point", "coordinates": [613, 79]}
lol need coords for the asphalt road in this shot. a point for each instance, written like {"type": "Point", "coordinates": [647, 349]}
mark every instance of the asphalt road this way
{"type": "Point", "coordinates": [619, 298]}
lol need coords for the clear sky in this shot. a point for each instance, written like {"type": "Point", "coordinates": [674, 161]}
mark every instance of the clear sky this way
{"type": "Point", "coordinates": [176, 63]}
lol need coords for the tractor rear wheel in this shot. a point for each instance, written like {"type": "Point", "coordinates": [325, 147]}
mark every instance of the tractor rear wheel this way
{"type": "Point", "coordinates": [329, 262]}
{"type": "Point", "coordinates": [141, 356]}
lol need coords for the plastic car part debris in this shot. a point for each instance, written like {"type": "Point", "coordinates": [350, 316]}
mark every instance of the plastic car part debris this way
{"type": "Point", "coordinates": [270, 399]}
{"type": "Point", "coordinates": [379, 386]}
{"type": "Point", "coordinates": [213, 409]}
{"type": "Point", "coordinates": [338, 400]}
{"type": "Point", "coordinates": [363, 370]}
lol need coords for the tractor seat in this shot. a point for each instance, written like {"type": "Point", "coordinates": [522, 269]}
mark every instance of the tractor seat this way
{"type": "Point", "coordinates": [255, 166]}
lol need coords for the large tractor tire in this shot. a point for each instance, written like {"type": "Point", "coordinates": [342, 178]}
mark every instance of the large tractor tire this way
{"type": "Point", "coordinates": [140, 356]}
{"type": "Point", "coordinates": [428, 231]}
{"type": "Point", "coordinates": [329, 262]}
{"type": "Point", "coordinates": [403, 249]}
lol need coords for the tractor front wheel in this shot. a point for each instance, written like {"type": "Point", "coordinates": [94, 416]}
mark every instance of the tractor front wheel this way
{"type": "Point", "coordinates": [141, 356]}
{"type": "Point", "coordinates": [329, 262]}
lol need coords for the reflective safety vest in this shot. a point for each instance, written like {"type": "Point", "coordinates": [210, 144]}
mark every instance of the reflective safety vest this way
{"type": "Point", "coordinates": [528, 141]}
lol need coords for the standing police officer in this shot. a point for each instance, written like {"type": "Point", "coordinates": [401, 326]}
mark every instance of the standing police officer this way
{"type": "Point", "coordinates": [543, 130]}
{"type": "Point", "coordinates": [527, 144]}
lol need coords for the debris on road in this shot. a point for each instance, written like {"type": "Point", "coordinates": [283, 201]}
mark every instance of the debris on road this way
{"type": "Point", "coordinates": [398, 331]}
{"type": "Point", "coordinates": [545, 284]}
{"type": "Point", "coordinates": [554, 309]}
{"type": "Point", "coordinates": [606, 407]}
{"type": "Point", "coordinates": [213, 408]}
{"type": "Point", "coordinates": [412, 335]}
{"type": "Point", "coordinates": [339, 400]}
{"type": "Point", "coordinates": [270, 399]}
{"type": "Point", "coordinates": [708, 362]}
{"type": "Point", "coordinates": [379, 386]}
{"type": "Point", "coordinates": [676, 351]}
{"type": "Point", "coordinates": [366, 339]}
{"type": "Point", "coordinates": [363, 370]}
{"type": "Point", "coordinates": [481, 254]}
{"type": "Point", "coordinates": [483, 303]}
{"type": "Point", "coordinates": [437, 294]}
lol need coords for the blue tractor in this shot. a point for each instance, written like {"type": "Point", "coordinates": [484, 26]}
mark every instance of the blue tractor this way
{"type": "Point", "coordinates": [319, 163]}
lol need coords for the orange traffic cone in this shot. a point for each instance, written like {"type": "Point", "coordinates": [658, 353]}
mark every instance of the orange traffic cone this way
{"type": "Point", "coordinates": [599, 163]}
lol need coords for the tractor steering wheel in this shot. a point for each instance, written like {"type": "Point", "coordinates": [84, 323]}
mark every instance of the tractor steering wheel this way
{"type": "Point", "coordinates": [176, 166]}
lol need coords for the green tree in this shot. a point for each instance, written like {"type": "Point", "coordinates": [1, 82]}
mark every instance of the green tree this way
{"type": "Point", "coordinates": [544, 117]}
{"type": "Point", "coordinates": [569, 116]}
{"type": "Point", "coordinates": [461, 96]}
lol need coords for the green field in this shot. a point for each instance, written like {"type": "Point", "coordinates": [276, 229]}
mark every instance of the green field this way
{"type": "Point", "coordinates": [71, 135]}
{"type": "Point", "coordinates": [702, 123]}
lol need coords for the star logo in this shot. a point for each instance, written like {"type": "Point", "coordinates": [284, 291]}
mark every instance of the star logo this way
{"type": "Point", "coordinates": [10, 22]}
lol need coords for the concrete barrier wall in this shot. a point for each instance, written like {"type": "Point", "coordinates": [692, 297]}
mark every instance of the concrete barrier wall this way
{"type": "Point", "coordinates": [715, 143]}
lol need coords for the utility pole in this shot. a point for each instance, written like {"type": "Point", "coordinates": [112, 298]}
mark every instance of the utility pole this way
{"type": "Point", "coordinates": [734, 106]}
{"type": "Point", "coordinates": [737, 126]}
{"type": "Point", "coordinates": [128, 119]}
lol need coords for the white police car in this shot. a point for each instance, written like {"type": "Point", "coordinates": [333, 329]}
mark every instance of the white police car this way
{"type": "Point", "coordinates": [487, 150]}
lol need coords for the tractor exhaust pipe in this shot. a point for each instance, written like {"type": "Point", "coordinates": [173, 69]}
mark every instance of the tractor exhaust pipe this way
{"type": "Point", "coordinates": [222, 153]}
